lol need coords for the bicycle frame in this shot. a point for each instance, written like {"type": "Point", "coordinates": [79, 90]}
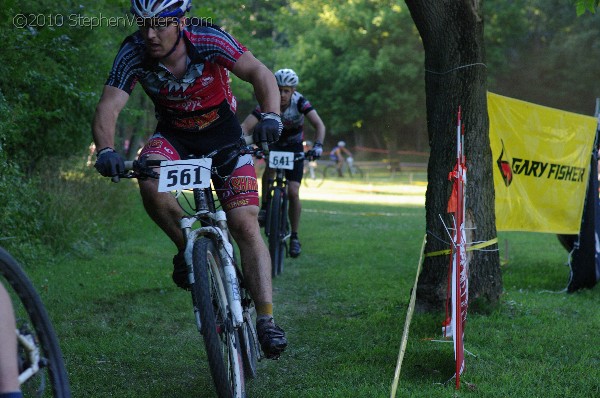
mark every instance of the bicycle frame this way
{"type": "Point", "coordinates": [278, 182]}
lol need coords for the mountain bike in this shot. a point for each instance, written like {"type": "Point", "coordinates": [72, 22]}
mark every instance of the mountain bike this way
{"type": "Point", "coordinates": [349, 168]}
{"type": "Point", "coordinates": [277, 224]}
{"type": "Point", "coordinates": [223, 308]}
{"type": "Point", "coordinates": [42, 370]}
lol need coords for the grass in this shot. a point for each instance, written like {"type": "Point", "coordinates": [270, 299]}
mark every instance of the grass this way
{"type": "Point", "coordinates": [127, 331]}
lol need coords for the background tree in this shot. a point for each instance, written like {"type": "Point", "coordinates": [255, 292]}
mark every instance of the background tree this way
{"type": "Point", "coordinates": [452, 34]}
{"type": "Point", "coordinates": [586, 5]}
{"type": "Point", "coordinates": [360, 63]}
{"type": "Point", "coordinates": [548, 58]}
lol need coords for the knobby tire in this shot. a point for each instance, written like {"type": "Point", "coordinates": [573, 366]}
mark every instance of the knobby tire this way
{"type": "Point", "coordinates": [249, 345]}
{"type": "Point", "coordinates": [221, 341]}
{"type": "Point", "coordinates": [284, 232]}
{"type": "Point", "coordinates": [32, 319]}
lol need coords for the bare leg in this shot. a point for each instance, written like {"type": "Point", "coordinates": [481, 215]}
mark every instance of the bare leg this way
{"type": "Point", "coordinates": [295, 204]}
{"type": "Point", "coordinates": [256, 261]}
{"type": "Point", "coordinates": [163, 209]}
{"type": "Point", "coordinates": [9, 373]}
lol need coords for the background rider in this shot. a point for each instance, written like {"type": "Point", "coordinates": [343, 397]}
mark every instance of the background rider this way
{"type": "Point", "coordinates": [294, 107]}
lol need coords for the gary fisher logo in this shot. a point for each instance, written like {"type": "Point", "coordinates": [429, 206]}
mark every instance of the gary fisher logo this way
{"type": "Point", "coordinates": [536, 169]}
{"type": "Point", "coordinates": [504, 166]}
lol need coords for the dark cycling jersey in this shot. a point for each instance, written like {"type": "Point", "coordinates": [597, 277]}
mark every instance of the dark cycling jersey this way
{"type": "Point", "coordinates": [200, 99]}
{"type": "Point", "coordinates": [292, 119]}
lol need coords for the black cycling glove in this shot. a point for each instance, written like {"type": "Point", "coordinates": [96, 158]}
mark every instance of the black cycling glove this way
{"type": "Point", "coordinates": [109, 163]}
{"type": "Point", "coordinates": [268, 129]}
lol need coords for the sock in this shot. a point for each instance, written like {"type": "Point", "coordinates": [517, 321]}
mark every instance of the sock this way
{"type": "Point", "coordinates": [263, 311]}
{"type": "Point", "coordinates": [294, 235]}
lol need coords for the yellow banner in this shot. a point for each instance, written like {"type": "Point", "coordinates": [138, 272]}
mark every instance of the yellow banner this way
{"type": "Point", "coordinates": [541, 165]}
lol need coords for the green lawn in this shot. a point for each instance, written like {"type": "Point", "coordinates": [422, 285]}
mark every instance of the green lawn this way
{"type": "Point", "coordinates": [127, 331]}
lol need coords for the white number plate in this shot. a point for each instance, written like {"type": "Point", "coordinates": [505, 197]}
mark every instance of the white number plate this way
{"type": "Point", "coordinates": [281, 160]}
{"type": "Point", "coordinates": [176, 175]}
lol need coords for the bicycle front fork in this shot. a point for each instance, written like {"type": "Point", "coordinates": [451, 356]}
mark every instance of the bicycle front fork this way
{"type": "Point", "coordinates": [220, 236]}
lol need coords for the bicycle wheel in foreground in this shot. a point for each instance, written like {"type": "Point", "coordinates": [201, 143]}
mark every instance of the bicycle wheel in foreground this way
{"type": "Point", "coordinates": [220, 339]}
{"type": "Point", "coordinates": [276, 243]}
{"type": "Point", "coordinates": [41, 365]}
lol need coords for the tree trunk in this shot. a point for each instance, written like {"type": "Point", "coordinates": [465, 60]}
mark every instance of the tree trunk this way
{"type": "Point", "coordinates": [452, 35]}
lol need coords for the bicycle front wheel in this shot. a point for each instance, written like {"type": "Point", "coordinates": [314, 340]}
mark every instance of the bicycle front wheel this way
{"type": "Point", "coordinates": [355, 172]}
{"type": "Point", "coordinates": [284, 232]}
{"type": "Point", "coordinates": [276, 242]}
{"type": "Point", "coordinates": [249, 343]}
{"type": "Point", "coordinates": [39, 355]}
{"type": "Point", "coordinates": [211, 305]}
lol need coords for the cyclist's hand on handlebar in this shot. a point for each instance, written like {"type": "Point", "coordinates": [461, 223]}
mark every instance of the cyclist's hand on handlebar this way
{"type": "Point", "coordinates": [317, 150]}
{"type": "Point", "coordinates": [268, 129]}
{"type": "Point", "coordinates": [109, 163]}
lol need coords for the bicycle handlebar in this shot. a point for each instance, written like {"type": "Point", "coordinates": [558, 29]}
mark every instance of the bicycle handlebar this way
{"type": "Point", "coordinates": [143, 168]}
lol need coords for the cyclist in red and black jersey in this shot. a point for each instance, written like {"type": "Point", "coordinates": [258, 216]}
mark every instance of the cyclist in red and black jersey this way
{"type": "Point", "coordinates": [184, 69]}
{"type": "Point", "coordinates": [294, 107]}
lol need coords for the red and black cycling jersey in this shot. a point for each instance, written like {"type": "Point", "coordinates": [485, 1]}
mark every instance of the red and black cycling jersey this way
{"type": "Point", "coordinates": [202, 98]}
{"type": "Point", "coordinates": [292, 118]}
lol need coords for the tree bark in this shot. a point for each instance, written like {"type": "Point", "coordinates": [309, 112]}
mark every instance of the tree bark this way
{"type": "Point", "coordinates": [452, 35]}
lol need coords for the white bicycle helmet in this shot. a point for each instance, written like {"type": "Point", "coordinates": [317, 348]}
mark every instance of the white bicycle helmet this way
{"type": "Point", "coordinates": [341, 143]}
{"type": "Point", "coordinates": [160, 8]}
{"type": "Point", "coordinates": [286, 78]}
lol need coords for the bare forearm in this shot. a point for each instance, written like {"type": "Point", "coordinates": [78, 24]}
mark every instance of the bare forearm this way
{"type": "Point", "coordinates": [107, 112]}
{"type": "Point", "coordinates": [103, 128]}
{"type": "Point", "coordinates": [318, 124]}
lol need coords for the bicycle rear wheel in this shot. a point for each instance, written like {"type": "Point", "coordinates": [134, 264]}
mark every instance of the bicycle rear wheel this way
{"type": "Point", "coordinates": [39, 355]}
{"type": "Point", "coordinates": [211, 305]}
{"type": "Point", "coordinates": [276, 244]}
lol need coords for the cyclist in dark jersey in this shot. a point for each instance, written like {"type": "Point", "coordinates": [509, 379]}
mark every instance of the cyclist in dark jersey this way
{"type": "Point", "coordinates": [184, 69]}
{"type": "Point", "coordinates": [294, 107]}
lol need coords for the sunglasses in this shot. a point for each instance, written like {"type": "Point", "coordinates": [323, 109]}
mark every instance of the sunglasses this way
{"type": "Point", "coordinates": [157, 24]}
